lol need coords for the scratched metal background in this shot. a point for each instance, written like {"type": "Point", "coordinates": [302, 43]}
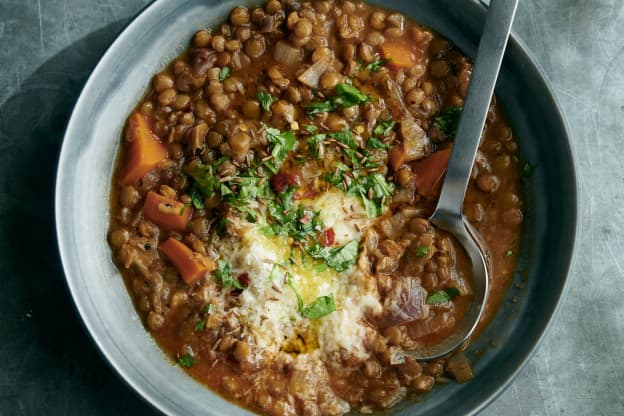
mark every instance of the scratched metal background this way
{"type": "Point", "coordinates": [48, 366]}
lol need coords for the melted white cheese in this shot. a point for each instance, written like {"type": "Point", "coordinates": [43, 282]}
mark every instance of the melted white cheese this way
{"type": "Point", "coordinates": [269, 307]}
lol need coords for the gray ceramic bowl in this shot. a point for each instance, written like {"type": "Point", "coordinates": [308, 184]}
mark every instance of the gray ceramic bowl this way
{"type": "Point", "coordinates": [160, 33]}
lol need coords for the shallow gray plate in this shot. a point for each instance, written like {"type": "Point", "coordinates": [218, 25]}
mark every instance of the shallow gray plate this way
{"type": "Point", "coordinates": [85, 166]}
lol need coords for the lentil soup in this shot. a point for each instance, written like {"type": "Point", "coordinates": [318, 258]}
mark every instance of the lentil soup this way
{"type": "Point", "coordinates": [269, 208]}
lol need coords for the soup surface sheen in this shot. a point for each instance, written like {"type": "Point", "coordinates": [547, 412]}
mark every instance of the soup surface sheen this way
{"type": "Point", "coordinates": [269, 209]}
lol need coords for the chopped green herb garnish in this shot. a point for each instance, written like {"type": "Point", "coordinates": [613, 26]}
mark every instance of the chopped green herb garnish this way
{"type": "Point", "coordinates": [224, 275]}
{"type": "Point", "coordinates": [376, 65]}
{"type": "Point", "coordinates": [345, 137]}
{"type": "Point", "coordinates": [296, 222]}
{"type": "Point", "coordinates": [384, 127]}
{"type": "Point", "coordinates": [448, 121]}
{"type": "Point", "coordinates": [196, 198]}
{"type": "Point", "coordinates": [266, 100]}
{"type": "Point", "coordinates": [205, 179]}
{"type": "Point", "coordinates": [290, 284]}
{"type": "Point", "coordinates": [186, 360]}
{"type": "Point", "coordinates": [275, 273]}
{"type": "Point", "coordinates": [374, 190]}
{"type": "Point", "coordinates": [338, 258]}
{"type": "Point", "coordinates": [310, 128]}
{"type": "Point", "coordinates": [346, 95]}
{"type": "Point", "coordinates": [422, 251]}
{"type": "Point", "coordinates": [280, 143]}
{"type": "Point", "coordinates": [323, 305]}
{"type": "Point", "coordinates": [225, 191]}
{"type": "Point", "coordinates": [509, 253]}
{"type": "Point", "coordinates": [225, 73]}
{"type": "Point", "coordinates": [199, 326]}
{"type": "Point", "coordinates": [208, 309]}
{"type": "Point", "coordinates": [320, 107]}
{"type": "Point", "coordinates": [316, 145]}
{"type": "Point", "coordinates": [374, 143]}
{"type": "Point", "coordinates": [442, 296]}
{"type": "Point", "coordinates": [527, 170]}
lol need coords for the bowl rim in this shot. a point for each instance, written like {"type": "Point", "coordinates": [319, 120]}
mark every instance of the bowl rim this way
{"type": "Point", "coordinates": [87, 321]}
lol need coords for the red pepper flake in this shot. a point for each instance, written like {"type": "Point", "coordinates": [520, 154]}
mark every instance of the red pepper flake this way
{"type": "Point", "coordinates": [327, 237]}
{"type": "Point", "coordinates": [282, 181]}
{"type": "Point", "coordinates": [309, 193]}
{"type": "Point", "coordinates": [305, 219]}
{"type": "Point", "coordinates": [244, 279]}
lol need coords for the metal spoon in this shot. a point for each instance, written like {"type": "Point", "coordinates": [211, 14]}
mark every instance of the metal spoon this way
{"type": "Point", "coordinates": [448, 214]}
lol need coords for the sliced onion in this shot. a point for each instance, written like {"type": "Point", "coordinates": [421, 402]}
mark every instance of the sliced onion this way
{"type": "Point", "coordinates": [405, 303]}
{"type": "Point", "coordinates": [287, 54]}
{"type": "Point", "coordinates": [416, 144]}
{"type": "Point", "coordinates": [310, 77]}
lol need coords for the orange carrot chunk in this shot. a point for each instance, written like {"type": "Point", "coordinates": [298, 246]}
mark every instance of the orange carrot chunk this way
{"type": "Point", "coordinates": [145, 150]}
{"type": "Point", "coordinates": [430, 171]}
{"type": "Point", "coordinates": [400, 55]}
{"type": "Point", "coordinates": [192, 266]}
{"type": "Point", "coordinates": [167, 212]}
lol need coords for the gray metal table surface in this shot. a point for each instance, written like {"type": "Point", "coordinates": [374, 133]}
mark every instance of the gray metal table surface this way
{"type": "Point", "coordinates": [48, 365]}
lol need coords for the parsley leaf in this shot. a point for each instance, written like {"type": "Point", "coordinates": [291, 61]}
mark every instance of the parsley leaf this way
{"type": "Point", "coordinates": [376, 65]}
{"type": "Point", "coordinates": [320, 107]}
{"type": "Point", "coordinates": [448, 121]}
{"type": "Point", "coordinates": [345, 137]}
{"type": "Point", "coordinates": [323, 305]}
{"type": "Point", "coordinates": [374, 190]}
{"type": "Point", "coordinates": [347, 95]}
{"type": "Point", "coordinates": [275, 272]}
{"type": "Point", "coordinates": [316, 145]}
{"type": "Point", "coordinates": [280, 143]}
{"type": "Point", "coordinates": [527, 170]}
{"type": "Point", "coordinates": [225, 73]}
{"type": "Point", "coordinates": [196, 198]}
{"type": "Point", "coordinates": [374, 143]}
{"type": "Point", "coordinates": [205, 179]}
{"type": "Point", "coordinates": [186, 360]}
{"type": "Point", "coordinates": [224, 275]}
{"type": "Point", "coordinates": [199, 326]}
{"type": "Point", "coordinates": [422, 251]}
{"type": "Point", "coordinates": [290, 284]}
{"type": "Point", "coordinates": [442, 296]}
{"type": "Point", "coordinates": [384, 127]}
{"type": "Point", "coordinates": [338, 258]}
{"type": "Point", "coordinates": [266, 100]}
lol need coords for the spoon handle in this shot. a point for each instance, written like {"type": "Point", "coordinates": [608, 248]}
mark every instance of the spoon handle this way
{"type": "Point", "coordinates": [483, 80]}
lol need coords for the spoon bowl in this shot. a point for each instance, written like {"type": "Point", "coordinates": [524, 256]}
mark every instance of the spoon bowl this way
{"type": "Point", "coordinates": [448, 214]}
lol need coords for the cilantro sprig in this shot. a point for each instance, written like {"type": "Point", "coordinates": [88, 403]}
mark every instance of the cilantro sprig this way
{"type": "Point", "coordinates": [186, 360]}
{"type": "Point", "coordinates": [442, 296]}
{"type": "Point", "coordinates": [322, 306]}
{"type": "Point", "coordinates": [346, 95]}
{"type": "Point", "coordinates": [338, 258]}
{"type": "Point", "coordinates": [225, 73]}
{"type": "Point", "coordinates": [376, 65]}
{"type": "Point", "coordinates": [266, 100]}
{"type": "Point", "coordinates": [224, 275]}
{"type": "Point", "coordinates": [448, 121]}
{"type": "Point", "coordinates": [280, 143]}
